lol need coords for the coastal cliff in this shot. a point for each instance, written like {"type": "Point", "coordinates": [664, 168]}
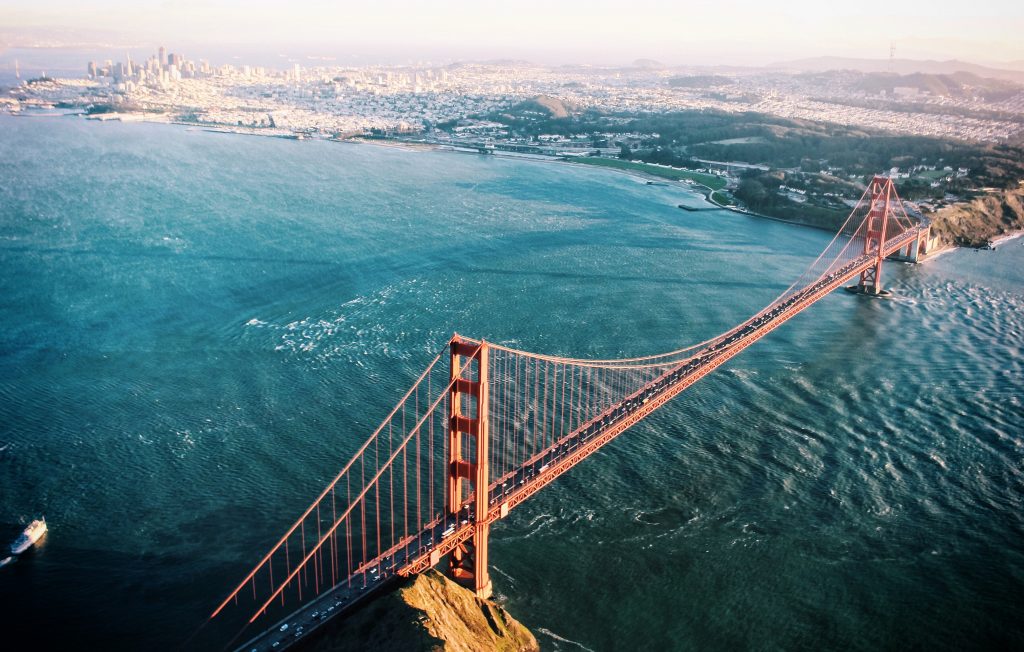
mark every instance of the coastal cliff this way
{"type": "Point", "coordinates": [977, 222]}
{"type": "Point", "coordinates": [428, 613]}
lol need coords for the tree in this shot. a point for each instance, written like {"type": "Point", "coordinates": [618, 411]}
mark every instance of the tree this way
{"type": "Point", "coordinates": [752, 193]}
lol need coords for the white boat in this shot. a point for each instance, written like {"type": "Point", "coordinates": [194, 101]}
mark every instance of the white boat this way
{"type": "Point", "coordinates": [35, 530]}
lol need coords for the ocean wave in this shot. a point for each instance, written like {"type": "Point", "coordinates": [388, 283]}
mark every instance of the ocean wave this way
{"type": "Point", "coordinates": [561, 639]}
{"type": "Point", "coordinates": [362, 326]}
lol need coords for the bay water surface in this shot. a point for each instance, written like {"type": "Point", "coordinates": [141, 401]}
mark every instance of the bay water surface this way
{"type": "Point", "coordinates": [198, 329]}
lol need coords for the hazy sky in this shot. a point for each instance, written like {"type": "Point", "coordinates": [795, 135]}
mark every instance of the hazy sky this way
{"type": "Point", "coordinates": [599, 31]}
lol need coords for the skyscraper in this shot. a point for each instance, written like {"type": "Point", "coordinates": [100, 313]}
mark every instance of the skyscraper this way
{"type": "Point", "coordinates": [163, 56]}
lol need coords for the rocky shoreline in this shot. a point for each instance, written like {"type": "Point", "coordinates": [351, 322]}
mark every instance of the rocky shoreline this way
{"type": "Point", "coordinates": [428, 613]}
{"type": "Point", "coordinates": [978, 222]}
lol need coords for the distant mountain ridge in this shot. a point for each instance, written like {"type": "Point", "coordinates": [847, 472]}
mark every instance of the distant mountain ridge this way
{"type": "Point", "coordinates": [958, 84]}
{"type": "Point", "coordinates": [899, 66]}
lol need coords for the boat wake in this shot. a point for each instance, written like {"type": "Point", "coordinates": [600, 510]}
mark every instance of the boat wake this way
{"type": "Point", "coordinates": [560, 639]}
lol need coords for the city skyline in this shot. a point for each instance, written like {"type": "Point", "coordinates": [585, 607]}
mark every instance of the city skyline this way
{"type": "Point", "coordinates": [736, 32]}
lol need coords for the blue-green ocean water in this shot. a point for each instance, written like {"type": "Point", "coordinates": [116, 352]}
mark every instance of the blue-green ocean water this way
{"type": "Point", "coordinates": [197, 329]}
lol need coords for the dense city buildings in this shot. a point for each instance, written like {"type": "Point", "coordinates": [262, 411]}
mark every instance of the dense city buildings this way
{"type": "Point", "coordinates": [612, 116]}
{"type": "Point", "coordinates": [334, 100]}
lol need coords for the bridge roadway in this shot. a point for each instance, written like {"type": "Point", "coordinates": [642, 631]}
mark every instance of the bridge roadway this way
{"type": "Point", "coordinates": [420, 552]}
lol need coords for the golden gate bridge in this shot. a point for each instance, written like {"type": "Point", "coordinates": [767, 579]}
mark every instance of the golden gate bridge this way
{"type": "Point", "coordinates": [471, 440]}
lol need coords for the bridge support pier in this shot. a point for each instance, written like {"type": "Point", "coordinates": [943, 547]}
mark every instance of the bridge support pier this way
{"type": "Point", "coordinates": [468, 460]}
{"type": "Point", "coordinates": [913, 252]}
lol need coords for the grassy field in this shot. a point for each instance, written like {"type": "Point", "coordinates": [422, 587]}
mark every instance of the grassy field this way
{"type": "Point", "coordinates": [749, 140]}
{"type": "Point", "coordinates": [932, 175]}
{"type": "Point", "coordinates": [709, 180]}
{"type": "Point", "coordinates": [720, 198]}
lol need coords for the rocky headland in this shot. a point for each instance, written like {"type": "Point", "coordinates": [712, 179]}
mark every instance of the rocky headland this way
{"type": "Point", "coordinates": [428, 613]}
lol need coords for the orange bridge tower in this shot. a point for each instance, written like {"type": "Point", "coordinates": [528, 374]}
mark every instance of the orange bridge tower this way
{"type": "Point", "coordinates": [882, 192]}
{"type": "Point", "coordinates": [467, 460]}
